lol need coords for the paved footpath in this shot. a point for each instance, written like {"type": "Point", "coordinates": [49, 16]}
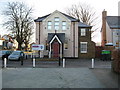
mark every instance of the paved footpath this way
{"type": "Point", "coordinates": [49, 78]}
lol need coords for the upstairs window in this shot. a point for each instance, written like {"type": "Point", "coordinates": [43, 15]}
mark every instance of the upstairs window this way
{"type": "Point", "coordinates": [57, 19]}
{"type": "Point", "coordinates": [56, 24]}
{"type": "Point", "coordinates": [63, 25]}
{"type": "Point", "coordinates": [83, 32]}
{"type": "Point", "coordinates": [83, 47]}
{"type": "Point", "coordinates": [49, 25]}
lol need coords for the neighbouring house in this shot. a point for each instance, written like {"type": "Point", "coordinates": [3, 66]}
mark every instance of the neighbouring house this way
{"type": "Point", "coordinates": [110, 30]}
{"type": "Point", "coordinates": [8, 42]}
{"type": "Point", "coordinates": [64, 36]}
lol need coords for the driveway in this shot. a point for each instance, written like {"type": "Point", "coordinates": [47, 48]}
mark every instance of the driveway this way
{"type": "Point", "coordinates": [48, 74]}
{"type": "Point", "coordinates": [50, 78]}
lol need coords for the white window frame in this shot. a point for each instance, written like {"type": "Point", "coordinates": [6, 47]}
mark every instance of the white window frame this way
{"type": "Point", "coordinates": [83, 32]}
{"type": "Point", "coordinates": [56, 23]}
{"type": "Point", "coordinates": [49, 25]}
{"type": "Point", "coordinates": [85, 43]}
{"type": "Point", "coordinates": [56, 19]}
{"type": "Point", "coordinates": [64, 25]}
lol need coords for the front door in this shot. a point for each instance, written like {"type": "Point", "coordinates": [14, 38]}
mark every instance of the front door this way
{"type": "Point", "coordinates": [56, 48]}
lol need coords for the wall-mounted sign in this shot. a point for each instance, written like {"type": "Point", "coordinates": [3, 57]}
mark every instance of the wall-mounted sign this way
{"type": "Point", "coordinates": [37, 47]}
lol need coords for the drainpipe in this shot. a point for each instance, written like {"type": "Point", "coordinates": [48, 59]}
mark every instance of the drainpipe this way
{"type": "Point", "coordinates": [39, 32]}
{"type": "Point", "coordinates": [73, 39]}
{"type": "Point", "coordinates": [39, 39]}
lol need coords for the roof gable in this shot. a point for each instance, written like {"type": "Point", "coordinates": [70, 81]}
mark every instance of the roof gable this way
{"type": "Point", "coordinates": [40, 19]}
{"type": "Point", "coordinates": [61, 36]}
{"type": "Point", "coordinates": [57, 14]}
{"type": "Point", "coordinates": [80, 24]}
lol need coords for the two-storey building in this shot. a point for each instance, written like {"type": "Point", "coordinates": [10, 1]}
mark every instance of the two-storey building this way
{"type": "Point", "coordinates": [110, 30]}
{"type": "Point", "coordinates": [64, 36]}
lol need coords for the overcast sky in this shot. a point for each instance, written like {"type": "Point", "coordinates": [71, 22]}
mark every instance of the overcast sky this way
{"type": "Point", "coordinates": [43, 7]}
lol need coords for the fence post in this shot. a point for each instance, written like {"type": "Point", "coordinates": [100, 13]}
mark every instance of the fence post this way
{"type": "Point", "coordinates": [5, 62]}
{"type": "Point", "coordinates": [33, 62]}
{"type": "Point", "coordinates": [93, 63]}
{"type": "Point", "coordinates": [63, 62]}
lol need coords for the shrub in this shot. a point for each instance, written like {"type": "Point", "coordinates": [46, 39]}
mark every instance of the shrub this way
{"type": "Point", "coordinates": [116, 60]}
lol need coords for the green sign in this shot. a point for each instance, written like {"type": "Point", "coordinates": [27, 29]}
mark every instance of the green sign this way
{"type": "Point", "coordinates": [105, 52]}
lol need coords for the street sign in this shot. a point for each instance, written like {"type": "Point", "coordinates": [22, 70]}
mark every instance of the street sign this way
{"type": "Point", "coordinates": [37, 47]}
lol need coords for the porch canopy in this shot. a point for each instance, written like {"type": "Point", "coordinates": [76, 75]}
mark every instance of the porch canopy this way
{"type": "Point", "coordinates": [60, 36]}
{"type": "Point", "coordinates": [57, 50]}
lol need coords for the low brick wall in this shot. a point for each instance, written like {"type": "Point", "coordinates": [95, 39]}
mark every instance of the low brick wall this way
{"type": "Point", "coordinates": [116, 60]}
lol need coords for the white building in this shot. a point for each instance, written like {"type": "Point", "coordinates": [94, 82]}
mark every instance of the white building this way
{"type": "Point", "coordinates": [64, 36]}
{"type": "Point", "coordinates": [110, 29]}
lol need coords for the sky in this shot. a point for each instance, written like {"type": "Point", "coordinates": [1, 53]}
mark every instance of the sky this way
{"type": "Point", "coordinates": [43, 7]}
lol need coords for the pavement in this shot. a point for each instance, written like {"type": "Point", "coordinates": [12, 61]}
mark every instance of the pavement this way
{"type": "Point", "coordinates": [48, 74]}
{"type": "Point", "coordinates": [50, 78]}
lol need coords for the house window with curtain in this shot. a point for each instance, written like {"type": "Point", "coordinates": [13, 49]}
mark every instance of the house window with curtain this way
{"type": "Point", "coordinates": [64, 25]}
{"type": "Point", "coordinates": [65, 46]}
{"type": "Point", "coordinates": [66, 43]}
{"type": "Point", "coordinates": [49, 25]}
{"type": "Point", "coordinates": [83, 32]}
{"type": "Point", "coordinates": [56, 23]}
{"type": "Point", "coordinates": [83, 47]}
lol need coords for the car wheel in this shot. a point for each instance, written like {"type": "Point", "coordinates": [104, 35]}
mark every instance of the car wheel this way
{"type": "Point", "coordinates": [19, 59]}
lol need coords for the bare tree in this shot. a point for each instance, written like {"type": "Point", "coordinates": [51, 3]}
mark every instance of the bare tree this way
{"type": "Point", "coordinates": [19, 22]}
{"type": "Point", "coordinates": [83, 13]}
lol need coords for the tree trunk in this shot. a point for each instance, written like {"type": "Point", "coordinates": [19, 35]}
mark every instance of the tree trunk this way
{"type": "Point", "coordinates": [26, 46]}
{"type": "Point", "coordinates": [19, 46]}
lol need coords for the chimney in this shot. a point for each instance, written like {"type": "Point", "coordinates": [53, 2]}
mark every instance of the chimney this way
{"type": "Point", "coordinates": [103, 33]}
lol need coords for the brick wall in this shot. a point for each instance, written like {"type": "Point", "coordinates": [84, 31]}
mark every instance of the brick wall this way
{"type": "Point", "coordinates": [90, 45]}
{"type": "Point", "coordinates": [98, 51]}
{"type": "Point", "coordinates": [90, 51]}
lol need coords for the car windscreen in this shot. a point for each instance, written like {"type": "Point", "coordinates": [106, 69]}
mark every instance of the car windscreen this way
{"type": "Point", "coordinates": [16, 53]}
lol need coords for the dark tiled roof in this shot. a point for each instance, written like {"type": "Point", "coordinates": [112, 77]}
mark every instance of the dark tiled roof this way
{"type": "Point", "coordinates": [39, 19]}
{"type": "Point", "coordinates": [113, 21]}
{"type": "Point", "coordinates": [82, 25]}
{"type": "Point", "coordinates": [69, 17]}
{"type": "Point", "coordinates": [61, 36]}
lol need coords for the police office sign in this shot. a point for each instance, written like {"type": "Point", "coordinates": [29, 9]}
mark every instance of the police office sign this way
{"type": "Point", "coordinates": [37, 47]}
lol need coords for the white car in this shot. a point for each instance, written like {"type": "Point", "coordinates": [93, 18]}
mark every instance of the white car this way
{"type": "Point", "coordinates": [16, 55]}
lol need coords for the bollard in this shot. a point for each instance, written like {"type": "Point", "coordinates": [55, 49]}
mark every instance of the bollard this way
{"type": "Point", "coordinates": [31, 55]}
{"type": "Point", "coordinates": [59, 61]}
{"type": "Point", "coordinates": [5, 62]}
{"type": "Point", "coordinates": [63, 62]}
{"type": "Point", "coordinates": [21, 59]}
{"type": "Point", "coordinates": [33, 62]}
{"type": "Point", "coordinates": [92, 63]}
